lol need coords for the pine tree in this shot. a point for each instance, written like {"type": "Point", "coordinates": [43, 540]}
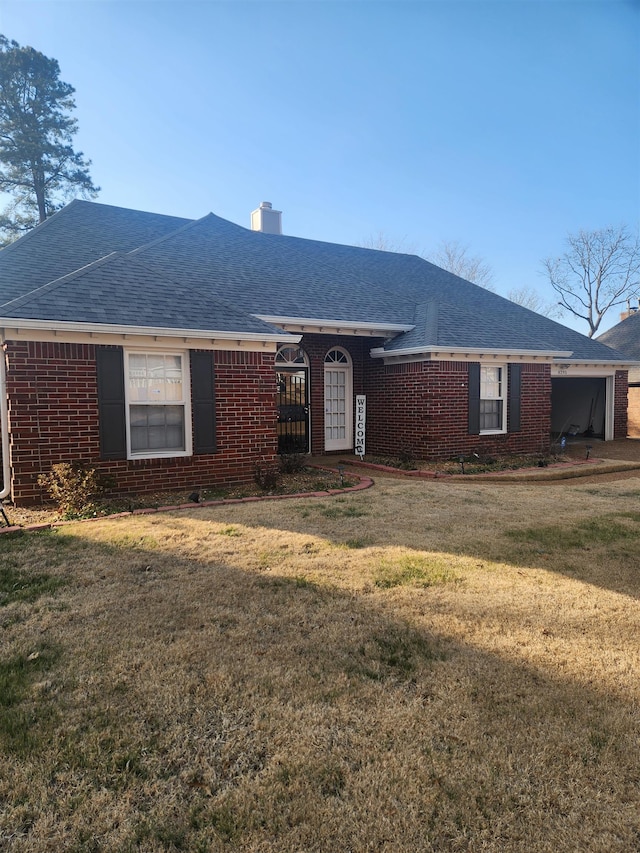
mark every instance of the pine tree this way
{"type": "Point", "coordinates": [38, 166]}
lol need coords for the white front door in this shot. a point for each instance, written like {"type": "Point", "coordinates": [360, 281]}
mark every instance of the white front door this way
{"type": "Point", "coordinates": [338, 401]}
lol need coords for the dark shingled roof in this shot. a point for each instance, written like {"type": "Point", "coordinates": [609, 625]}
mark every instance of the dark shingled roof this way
{"type": "Point", "coordinates": [211, 265]}
{"type": "Point", "coordinates": [80, 233]}
{"type": "Point", "coordinates": [625, 336]}
{"type": "Point", "coordinates": [120, 290]}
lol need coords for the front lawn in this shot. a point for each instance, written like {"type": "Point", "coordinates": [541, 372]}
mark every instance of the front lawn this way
{"type": "Point", "coordinates": [421, 666]}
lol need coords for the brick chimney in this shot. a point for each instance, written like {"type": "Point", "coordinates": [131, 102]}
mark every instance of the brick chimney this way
{"type": "Point", "coordinates": [266, 219]}
{"type": "Point", "coordinates": [631, 309]}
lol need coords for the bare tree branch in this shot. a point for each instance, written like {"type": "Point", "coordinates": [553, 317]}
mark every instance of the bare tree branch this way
{"type": "Point", "coordinates": [529, 298]}
{"type": "Point", "coordinates": [454, 257]}
{"type": "Point", "coordinates": [599, 270]}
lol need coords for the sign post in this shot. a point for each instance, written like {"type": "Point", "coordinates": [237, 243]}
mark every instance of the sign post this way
{"type": "Point", "coordinates": [361, 424]}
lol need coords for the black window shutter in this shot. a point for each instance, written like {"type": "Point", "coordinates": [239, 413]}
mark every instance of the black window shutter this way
{"type": "Point", "coordinates": [514, 390]}
{"type": "Point", "coordinates": [203, 404]}
{"type": "Point", "coordinates": [474, 398]}
{"type": "Point", "coordinates": [111, 412]}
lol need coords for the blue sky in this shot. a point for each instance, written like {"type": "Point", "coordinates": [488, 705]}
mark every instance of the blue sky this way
{"type": "Point", "coordinates": [501, 124]}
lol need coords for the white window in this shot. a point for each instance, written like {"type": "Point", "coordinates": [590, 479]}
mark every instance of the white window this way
{"type": "Point", "coordinates": [157, 404]}
{"type": "Point", "coordinates": [492, 399]}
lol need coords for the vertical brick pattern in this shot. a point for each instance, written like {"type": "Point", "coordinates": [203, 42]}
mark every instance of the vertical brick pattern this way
{"type": "Point", "coordinates": [423, 408]}
{"type": "Point", "coordinates": [53, 415]}
{"type": "Point", "coordinates": [621, 412]}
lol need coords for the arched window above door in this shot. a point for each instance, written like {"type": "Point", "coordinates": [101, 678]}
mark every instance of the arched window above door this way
{"type": "Point", "coordinates": [291, 356]}
{"type": "Point", "coordinates": [337, 356]}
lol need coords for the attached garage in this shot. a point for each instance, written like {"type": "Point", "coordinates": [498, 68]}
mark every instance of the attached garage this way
{"type": "Point", "coordinates": [578, 406]}
{"type": "Point", "coordinates": [582, 404]}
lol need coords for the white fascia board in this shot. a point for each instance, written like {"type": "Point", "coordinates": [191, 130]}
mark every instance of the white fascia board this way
{"type": "Point", "coordinates": [601, 362]}
{"type": "Point", "coordinates": [331, 324]}
{"type": "Point", "coordinates": [619, 365]}
{"type": "Point", "coordinates": [151, 331]}
{"type": "Point", "coordinates": [381, 352]}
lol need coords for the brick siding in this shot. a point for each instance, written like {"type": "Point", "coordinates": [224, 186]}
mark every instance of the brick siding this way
{"type": "Point", "coordinates": [430, 405]}
{"type": "Point", "coordinates": [422, 407]}
{"type": "Point", "coordinates": [53, 415]}
{"type": "Point", "coordinates": [621, 414]}
{"type": "Point", "coordinates": [419, 407]}
{"type": "Point", "coordinates": [316, 347]}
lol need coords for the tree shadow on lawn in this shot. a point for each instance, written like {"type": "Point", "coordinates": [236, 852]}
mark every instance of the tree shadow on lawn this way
{"type": "Point", "coordinates": [215, 692]}
{"type": "Point", "coordinates": [591, 534]}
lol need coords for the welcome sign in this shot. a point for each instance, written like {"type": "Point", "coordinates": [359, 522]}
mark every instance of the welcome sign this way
{"type": "Point", "coordinates": [361, 424]}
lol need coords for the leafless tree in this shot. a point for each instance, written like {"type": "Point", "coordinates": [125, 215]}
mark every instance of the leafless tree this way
{"type": "Point", "coordinates": [384, 243]}
{"type": "Point", "coordinates": [599, 269]}
{"type": "Point", "coordinates": [449, 254]}
{"type": "Point", "coordinates": [455, 257]}
{"type": "Point", "coordinates": [531, 299]}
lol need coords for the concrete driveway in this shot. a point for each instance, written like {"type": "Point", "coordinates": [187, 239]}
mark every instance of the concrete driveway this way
{"type": "Point", "coordinates": [623, 450]}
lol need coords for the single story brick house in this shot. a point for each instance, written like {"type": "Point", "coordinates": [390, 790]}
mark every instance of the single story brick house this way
{"type": "Point", "coordinates": [174, 353]}
{"type": "Point", "coordinates": [625, 338]}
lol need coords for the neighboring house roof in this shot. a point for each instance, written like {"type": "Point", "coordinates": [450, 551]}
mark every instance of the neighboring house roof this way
{"type": "Point", "coordinates": [180, 271]}
{"type": "Point", "coordinates": [625, 338]}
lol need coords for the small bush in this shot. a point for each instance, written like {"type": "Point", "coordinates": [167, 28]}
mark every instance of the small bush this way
{"type": "Point", "coordinates": [292, 463]}
{"type": "Point", "coordinates": [74, 488]}
{"type": "Point", "coordinates": [407, 459]}
{"type": "Point", "coordinates": [266, 477]}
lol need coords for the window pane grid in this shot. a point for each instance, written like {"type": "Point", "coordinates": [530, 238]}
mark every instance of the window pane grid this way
{"type": "Point", "coordinates": [491, 399]}
{"type": "Point", "coordinates": [157, 406]}
{"type": "Point", "coordinates": [490, 414]}
{"type": "Point", "coordinates": [157, 428]}
{"type": "Point", "coordinates": [155, 378]}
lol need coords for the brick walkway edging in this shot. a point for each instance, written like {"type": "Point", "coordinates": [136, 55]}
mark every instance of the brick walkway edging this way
{"type": "Point", "coordinates": [553, 471]}
{"type": "Point", "coordinates": [363, 483]}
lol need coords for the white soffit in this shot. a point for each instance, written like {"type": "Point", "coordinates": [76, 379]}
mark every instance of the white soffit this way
{"type": "Point", "coordinates": [480, 352]}
{"type": "Point", "coordinates": [150, 331]}
{"type": "Point", "coordinates": [335, 327]}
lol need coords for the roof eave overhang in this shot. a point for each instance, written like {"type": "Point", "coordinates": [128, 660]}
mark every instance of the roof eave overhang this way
{"type": "Point", "coordinates": [600, 362]}
{"type": "Point", "coordinates": [332, 326]}
{"type": "Point", "coordinates": [464, 353]}
{"type": "Point", "coordinates": [145, 331]}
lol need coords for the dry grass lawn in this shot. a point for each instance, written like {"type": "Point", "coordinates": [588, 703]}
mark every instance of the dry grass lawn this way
{"type": "Point", "coordinates": [423, 666]}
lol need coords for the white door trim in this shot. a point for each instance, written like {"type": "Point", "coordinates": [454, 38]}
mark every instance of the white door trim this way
{"type": "Point", "coordinates": [338, 362]}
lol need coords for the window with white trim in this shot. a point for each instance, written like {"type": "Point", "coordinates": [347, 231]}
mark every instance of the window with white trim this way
{"type": "Point", "coordinates": [492, 399]}
{"type": "Point", "coordinates": [158, 413]}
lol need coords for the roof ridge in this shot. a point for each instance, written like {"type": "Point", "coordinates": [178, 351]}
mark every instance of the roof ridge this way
{"type": "Point", "coordinates": [181, 286]}
{"type": "Point", "coordinates": [330, 268]}
{"type": "Point", "coordinates": [191, 224]}
{"type": "Point", "coordinates": [38, 228]}
{"type": "Point", "coordinates": [126, 209]}
{"type": "Point", "coordinates": [57, 282]}
{"type": "Point", "coordinates": [341, 245]}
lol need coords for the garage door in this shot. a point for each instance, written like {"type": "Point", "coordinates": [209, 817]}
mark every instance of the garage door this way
{"type": "Point", "coordinates": [578, 406]}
